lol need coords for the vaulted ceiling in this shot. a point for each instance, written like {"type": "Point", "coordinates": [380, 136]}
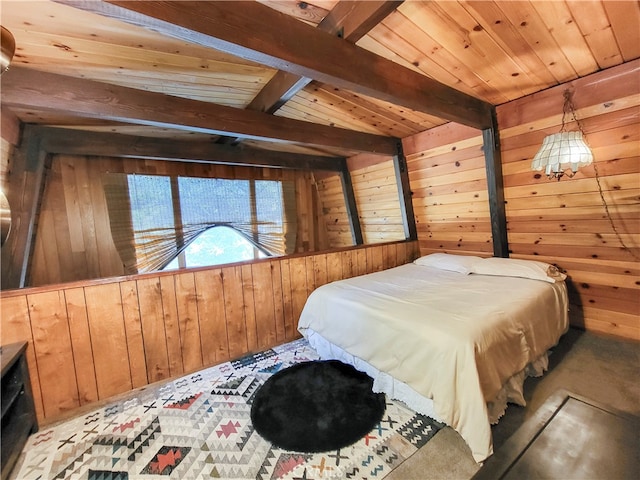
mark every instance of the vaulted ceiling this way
{"type": "Point", "coordinates": [257, 73]}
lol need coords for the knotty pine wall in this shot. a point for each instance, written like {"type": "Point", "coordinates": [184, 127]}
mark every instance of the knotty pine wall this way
{"type": "Point", "coordinates": [91, 340]}
{"type": "Point", "coordinates": [448, 182]}
{"type": "Point", "coordinates": [560, 222]}
{"type": "Point", "coordinates": [73, 240]}
{"type": "Point", "coordinates": [376, 193]}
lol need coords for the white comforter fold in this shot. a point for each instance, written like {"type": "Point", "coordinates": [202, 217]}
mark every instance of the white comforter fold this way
{"type": "Point", "coordinates": [453, 338]}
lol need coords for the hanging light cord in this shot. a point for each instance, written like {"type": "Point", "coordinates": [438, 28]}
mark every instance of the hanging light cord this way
{"type": "Point", "coordinates": [570, 108]}
{"type": "Point", "coordinates": [606, 209]}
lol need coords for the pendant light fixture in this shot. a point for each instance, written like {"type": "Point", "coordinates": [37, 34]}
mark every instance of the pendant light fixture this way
{"type": "Point", "coordinates": [8, 47]}
{"type": "Point", "coordinates": [564, 152]}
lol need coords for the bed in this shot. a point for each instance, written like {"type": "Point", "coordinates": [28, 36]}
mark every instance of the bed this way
{"type": "Point", "coordinates": [452, 336]}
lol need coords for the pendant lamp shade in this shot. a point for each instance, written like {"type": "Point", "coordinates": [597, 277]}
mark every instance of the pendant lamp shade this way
{"type": "Point", "coordinates": [564, 152]}
{"type": "Point", "coordinates": [8, 47]}
{"type": "Point", "coordinates": [561, 152]}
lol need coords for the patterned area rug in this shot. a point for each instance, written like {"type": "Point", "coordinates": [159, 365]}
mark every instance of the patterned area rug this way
{"type": "Point", "coordinates": [198, 427]}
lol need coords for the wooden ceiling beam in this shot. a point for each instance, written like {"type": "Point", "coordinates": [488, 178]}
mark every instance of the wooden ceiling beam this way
{"type": "Point", "coordinates": [79, 142]}
{"type": "Point", "coordinates": [31, 89]}
{"type": "Point", "coordinates": [258, 33]}
{"type": "Point", "coordinates": [350, 20]}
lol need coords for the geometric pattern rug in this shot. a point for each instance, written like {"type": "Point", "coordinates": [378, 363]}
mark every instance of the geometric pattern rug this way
{"type": "Point", "coordinates": [199, 427]}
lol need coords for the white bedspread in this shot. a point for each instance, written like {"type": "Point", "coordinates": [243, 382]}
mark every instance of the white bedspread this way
{"type": "Point", "coordinates": [453, 338]}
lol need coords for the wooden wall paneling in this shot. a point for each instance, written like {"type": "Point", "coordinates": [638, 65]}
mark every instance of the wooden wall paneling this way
{"type": "Point", "coordinates": [15, 326]}
{"type": "Point", "coordinates": [108, 256]}
{"type": "Point", "coordinates": [448, 177]}
{"type": "Point", "coordinates": [83, 359]}
{"type": "Point", "coordinates": [249, 307]}
{"type": "Point", "coordinates": [334, 266]}
{"type": "Point", "coordinates": [24, 195]}
{"type": "Point", "coordinates": [320, 273]}
{"type": "Point", "coordinates": [401, 254]}
{"type": "Point", "coordinates": [378, 198]}
{"type": "Point", "coordinates": [288, 280]}
{"type": "Point", "coordinates": [188, 321]}
{"type": "Point", "coordinates": [45, 263]}
{"type": "Point", "coordinates": [579, 253]}
{"type": "Point", "coordinates": [211, 316]}
{"type": "Point", "coordinates": [74, 239]}
{"type": "Point", "coordinates": [334, 211]}
{"type": "Point", "coordinates": [131, 316]}
{"type": "Point", "coordinates": [263, 302]}
{"type": "Point", "coordinates": [234, 311]}
{"type": "Point", "coordinates": [544, 109]}
{"type": "Point", "coordinates": [60, 237]}
{"type": "Point", "coordinates": [311, 229]}
{"type": "Point", "coordinates": [606, 321]}
{"type": "Point", "coordinates": [109, 340]}
{"type": "Point", "coordinates": [565, 222]}
{"type": "Point", "coordinates": [280, 306]}
{"type": "Point", "coordinates": [299, 294]}
{"type": "Point", "coordinates": [312, 266]}
{"type": "Point", "coordinates": [106, 333]}
{"type": "Point", "coordinates": [67, 173]}
{"type": "Point", "coordinates": [84, 189]}
{"type": "Point", "coordinates": [52, 341]}
{"type": "Point", "coordinates": [348, 263]}
{"type": "Point", "coordinates": [321, 239]}
{"type": "Point", "coordinates": [44, 252]}
{"type": "Point", "coordinates": [375, 259]}
{"type": "Point", "coordinates": [361, 262]}
{"type": "Point", "coordinates": [171, 325]}
{"type": "Point", "coordinates": [57, 238]}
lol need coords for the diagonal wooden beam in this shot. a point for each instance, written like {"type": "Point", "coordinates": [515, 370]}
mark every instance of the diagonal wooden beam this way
{"type": "Point", "coordinates": [350, 20]}
{"type": "Point", "coordinates": [351, 204]}
{"type": "Point", "coordinates": [258, 33]}
{"type": "Point", "coordinates": [28, 88]}
{"type": "Point", "coordinates": [404, 194]}
{"type": "Point", "coordinates": [78, 142]}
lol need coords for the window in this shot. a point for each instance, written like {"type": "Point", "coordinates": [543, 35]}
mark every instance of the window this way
{"type": "Point", "coordinates": [216, 246]}
{"type": "Point", "coordinates": [157, 220]}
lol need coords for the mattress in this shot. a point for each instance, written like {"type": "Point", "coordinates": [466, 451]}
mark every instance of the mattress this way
{"type": "Point", "coordinates": [446, 343]}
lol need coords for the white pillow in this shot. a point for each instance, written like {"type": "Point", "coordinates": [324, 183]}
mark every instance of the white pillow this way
{"type": "Point", "coordinates": [512, 267]}
{"type": "Point", "coordinates": [450, 262]}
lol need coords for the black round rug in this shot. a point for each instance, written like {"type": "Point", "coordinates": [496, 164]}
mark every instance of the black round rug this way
{"type": "Point", "coordinates": [316, 407]}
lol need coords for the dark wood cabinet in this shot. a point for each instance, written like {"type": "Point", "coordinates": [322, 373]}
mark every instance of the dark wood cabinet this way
{"type": "Point", "coordinates": [18, 412]}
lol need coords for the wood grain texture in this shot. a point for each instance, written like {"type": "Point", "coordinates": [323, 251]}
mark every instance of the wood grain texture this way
{"type": "Point", "coordinates": [373, 179]}
{"type": "Point", "coordinates": [223, 25]}
{"type": "Point", "coordinates": [448, 178]}
{"type": "Point", "coordinates": [492, 50]}
{"type": "Point", "coordinates": [96, 339]}
{"type": "Point", "coordinates": [30, 89]}
{"type": "Point", "coordinates": [562, 223]}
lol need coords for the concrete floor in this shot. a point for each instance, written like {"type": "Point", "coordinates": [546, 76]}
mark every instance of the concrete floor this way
{"type": "Point", "coordinates": [602, 368]}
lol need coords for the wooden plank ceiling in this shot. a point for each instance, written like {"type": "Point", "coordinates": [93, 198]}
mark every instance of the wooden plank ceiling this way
{"type": "Point", "coordinates": [381, 69]}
